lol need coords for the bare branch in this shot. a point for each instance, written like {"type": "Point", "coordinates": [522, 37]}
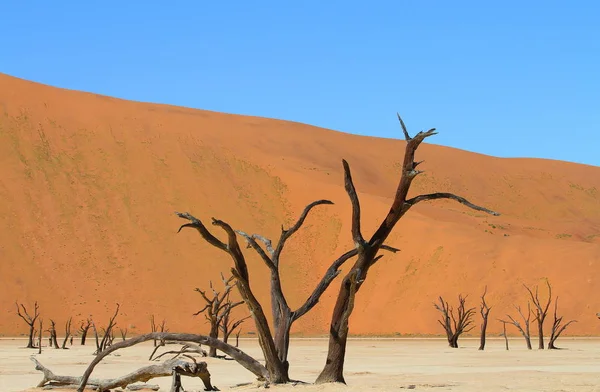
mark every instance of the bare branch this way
{"type": "Point", "coordinates": [285, 234]}
{"type": "Point", "coordinates": [404, 130]}
{"type": "Point", "coordinates": [198, 225]}
{"type": "Point", "coordinates": [357, 236]}
{"type": "Point", "coordinates": [441, 195]}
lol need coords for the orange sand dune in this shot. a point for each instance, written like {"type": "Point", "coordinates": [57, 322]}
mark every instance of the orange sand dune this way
{"type": "Point", "coordinates": [89, 184]}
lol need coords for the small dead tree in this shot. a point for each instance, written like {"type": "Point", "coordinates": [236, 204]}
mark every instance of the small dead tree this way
{"type": "Point", "coordinates": [83, 329]}
{"type": "Point", "coordinates": [41, 323]}
{"type": "Point", "coordinates": [228, 325]}
{"type": "Point", "coordinates": [504, 332]}
{"type": "Point", "coordinates": [52, 330]}
{"type": "Point", "coordinates": [217, 310]}
{"type": "Point", "coordinates": [123, 333]}
{"type": "Point", "coordinates": [29, 319]}
{"type": "Point", "coordinates": [67, 333]}
{"type": "Point", "coordinates": [541, 311]}
{"type": "Point", "coordinates": [557, 327]}
{"type": "Point", "coordinates": [368, 250]}
{"type": "Point", "coordinates": [524, 329]}
{"type": "Point", "coordinates": [484, 310]}
{"type": "Point", "coordinates": [107, 333]}
{"type": "Point", "coordinates": [157, 328]}
{"type": "Point", "coordinates": [455, 325]}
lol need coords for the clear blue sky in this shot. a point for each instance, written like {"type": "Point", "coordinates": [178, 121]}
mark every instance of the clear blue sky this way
{"type": "Point", "coordinates": [510, 78]}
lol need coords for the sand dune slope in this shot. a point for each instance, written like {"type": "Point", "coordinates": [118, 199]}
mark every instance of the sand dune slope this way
{"type": "Point", "coordinates": [89, 185]}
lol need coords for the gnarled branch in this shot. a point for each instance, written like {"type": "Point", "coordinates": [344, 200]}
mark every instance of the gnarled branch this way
{"type": "Point", "coordinates": [442, 195]}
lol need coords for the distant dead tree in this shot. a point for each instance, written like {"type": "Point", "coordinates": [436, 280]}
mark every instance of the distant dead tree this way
{"type": "Point", "coordinates": [368, 250]}
{"type": "Point", "coordinates": [162, 327]}
{"type": "Point", "coordinates": [541, 310]}
{"type": "Point", "coordinates": [83, 329]}
{"type": "Point", "coordinates": [29, 319]}
{"type": "Point", "coordinates": [123, 333]}
{"type": "Point", "coordinates": [557, 327]}
{"type": "Point", "coordinates": [504, 332]}
{"type": "Point", "coordinates": [41, 323]}
{"type": "Point", "coordinates": [217, 311]}
{"type": "Point", "coordinates": [524, 329]}
{"type": "Point", "coordinates": [228, 325]}
{"type": "Point", "coordinates": [484, 310]}
{"type": "Point", "coordinates": [67, 333]}
{"type": "Point", "coordinates": [107, 333]}
{"type": "Point", "coordinates": [455, 325]}
{"type": "Point", "coordinates": [52, 339]}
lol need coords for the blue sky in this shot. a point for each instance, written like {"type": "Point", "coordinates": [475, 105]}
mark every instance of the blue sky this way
{"type": "Point", "coordinates": [509, 79]}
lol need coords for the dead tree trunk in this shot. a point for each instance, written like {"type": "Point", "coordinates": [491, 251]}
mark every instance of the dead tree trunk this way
{"type": "Point", "coordinates": [41, 323]}
{"type": "Point", "coordinates": [29, 319]}
{"type": "Point", "coordinates": [283, 315]}
{"type": "Point", "coordinates": [368, 250]}
{"type": "Point", "coordinates": [557, 327]}
{"type": "Point", "coordinates": [523, 329]}
{"type": "Point", "coordinates": [84, 330]}
{"type": "Point", "coordinates": [455, 325]}
{"type": "Point", "coordinates": [504, 333]}
{"type": "Point", "coordinates": [218, 308]}
{"type": "Point", "coordinates": [242, 358]}
{"type": "Point", "coordinates": [178, 366]}
{"type": "Point", "coordinates": [67, 333]}
{"type": "Point", "coordinates": [540, 311]}
{"type": "Point", "coordinates": [484, 310]}
{"type": "Point", "coordinates": [153, 326]}
{"type": "Point", "coordinates": [52, 331]}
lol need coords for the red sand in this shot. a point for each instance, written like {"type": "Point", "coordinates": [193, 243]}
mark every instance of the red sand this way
{"type": "Point", "coordinates": [89, 184]}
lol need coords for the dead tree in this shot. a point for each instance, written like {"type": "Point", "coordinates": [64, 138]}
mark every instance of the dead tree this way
{"type": "Point", "coordinates": [217, 311]}
{"type": "Point", "coordinates": [29, 319]}
{"type": "Point", "coordinates": [524, 329]}
{"type": "Point", "coordinates": [41, 323]}
{"type": "Point", "coordinates": [455, 325]}
{"type": "Point", "coordinates": [123, 333]}
{"type": "Point", "coordinates": [83, 329]}
{"type": "Point", "coordinates": [540, 311]}
{"type": "Point", "coordinates": [52, 330]}
{"type": "Point", "coordinates": [107, 333]}
{"type": "Point", "coordinates": [557, 327]}
{"type": "Point", "coordinates": [484, 310]}
{"type": "Point", "coordinates": [67, 333]}
{"type": "Point", "coordinates": [504, 332]}
{"type": "Point", "coordinates": [157, 328]}
{"type": "Point", "coordinates": [276, 369]}
{"type": "Point", "coordinates": [368, 250]}
{"type": "Point", "coordinates": [228, 325]}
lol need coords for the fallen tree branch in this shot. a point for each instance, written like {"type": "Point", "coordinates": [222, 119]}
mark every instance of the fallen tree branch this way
{"type": "Point", "coordinates": [241, 357]}
{"type": "Point", "coordinates": [189, 369]}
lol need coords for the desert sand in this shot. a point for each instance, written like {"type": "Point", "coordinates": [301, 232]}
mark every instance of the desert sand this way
{"type": "Point", "coordinates": [379, 365]}
{"type": "Point", "coordinates": [89, 185]}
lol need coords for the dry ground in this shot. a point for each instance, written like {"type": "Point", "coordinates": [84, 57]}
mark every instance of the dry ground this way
{"type": "Point", "coordinates": [372, 364]}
